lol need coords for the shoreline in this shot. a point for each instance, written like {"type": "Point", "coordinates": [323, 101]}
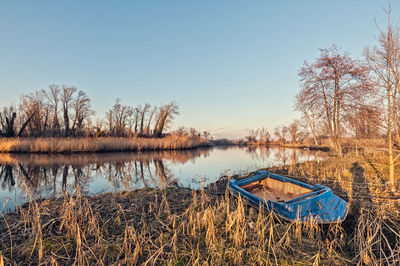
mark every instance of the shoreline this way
{"type": "Point", "coordinates": [309, 147]}
{"type": "Point", "coordinates": [98, 145]}
{"type": "Point", "coordinates": [89, 145]}
{"type": "Point", "coordinates": [295, 146]}
{"type": "Point", "coordinates": [104, 151]}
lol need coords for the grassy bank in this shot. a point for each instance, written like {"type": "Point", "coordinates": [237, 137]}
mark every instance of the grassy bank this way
{"type": "Point", "coordinates": [181, 226]}
{"type": "Point", "coordinates": [92, 145]}
{"type": "Point", "coordinates": [322, 147]}
{"type": "Point", "coordinates": [307, 146]}
{"type": "Point", "coordinates": [348, 144]}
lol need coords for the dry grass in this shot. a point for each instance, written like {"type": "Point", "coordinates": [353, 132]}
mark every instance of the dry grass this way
{"type": "Point", "coordinates": [179, 226]}
{"type": "Point", "coordinates": [91, 145]}
{"type": "Point", "coordinates": [196, 229]}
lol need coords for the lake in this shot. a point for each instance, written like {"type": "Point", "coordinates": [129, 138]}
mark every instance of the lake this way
{"type": "Point", "coordinates": [23, 177]}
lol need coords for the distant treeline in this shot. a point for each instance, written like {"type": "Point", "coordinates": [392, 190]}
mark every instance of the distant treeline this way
{"type": "Point", "coordinates": [65, 111]}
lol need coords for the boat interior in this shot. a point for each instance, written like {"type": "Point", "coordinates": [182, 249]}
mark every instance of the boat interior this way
{"type": "Point", "coordinates": [275, 190]}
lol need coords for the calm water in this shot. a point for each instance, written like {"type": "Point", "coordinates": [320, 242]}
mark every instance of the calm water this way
{"type": "Point", "coordinates": [41, 176]}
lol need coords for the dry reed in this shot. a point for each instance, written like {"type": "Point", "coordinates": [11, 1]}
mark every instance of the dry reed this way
{"type": "Point", "coordinates": [91, 145]}
{"type": "Point", "coordinates": [178, 226]}
{"type": "Point", "coordinates": [193, 229]}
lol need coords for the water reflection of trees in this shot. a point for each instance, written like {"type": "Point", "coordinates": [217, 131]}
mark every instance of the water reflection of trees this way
{"type": "Point", "coordinates": [46, 175]}
{"type": "Point", "coordinates": [259, 153]}
{"type": "Point", "coordinates": [6, 176]}
{"type": "Point", "coordinates": [282, 155]}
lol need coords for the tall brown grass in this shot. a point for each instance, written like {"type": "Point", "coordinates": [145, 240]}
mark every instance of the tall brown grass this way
{"type": "Point", "coordinates": [90, 145]}
{"type": "Point", "coordinates": [208, 227]}
{"type": "Point", "coordinates": [176, 227]}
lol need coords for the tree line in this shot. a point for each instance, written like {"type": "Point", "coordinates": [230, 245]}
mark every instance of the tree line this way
{"type": "Point", "coordinates": [293, 133]}
{"type": "Point", "coordinates": [65, 111]}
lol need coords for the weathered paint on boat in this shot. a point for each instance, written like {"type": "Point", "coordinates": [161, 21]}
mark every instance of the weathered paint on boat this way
{"type": "Point", "coordinates": [321, 204]}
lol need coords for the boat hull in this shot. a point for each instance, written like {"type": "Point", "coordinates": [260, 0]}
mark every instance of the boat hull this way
{"type": "Point", "coordinates": [320, 205]}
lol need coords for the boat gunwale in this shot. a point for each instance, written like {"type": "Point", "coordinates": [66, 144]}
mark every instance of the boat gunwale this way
{"type": "Point", "coordinates": [298, 200]}
{"type": "Point", "coordinates": [317, 190]}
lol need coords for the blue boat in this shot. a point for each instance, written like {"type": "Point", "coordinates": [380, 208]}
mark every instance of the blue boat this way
{"type": "Point", "coordinates": [289, 198]}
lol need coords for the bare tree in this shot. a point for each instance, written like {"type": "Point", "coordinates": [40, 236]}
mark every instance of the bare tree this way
{"type": "Point", "coordinates": [206, 134]}
{"type": "Point", "coordinates": [165, 116]}
{"type": "Point", "coordinates": [110, 121]}
{"type": "Point", "coordinates": [382, 60]}
{"type": "Point", "coordinates": [294, 131]}
{"type": "Point", "coordinates": [152, 113]}
{"type": "Point", "coordinates": [278, 135]}
{"type": "Point", "coordinates": [118, 118]}
{"type": "Point", "coordinates": [252, 136]}
{"type": "Point", "coordinates": [391, 40]}
{"type": "Point", "coordinates": [82, 110]}
{"type": "Point", "coordinates": [308, 106]}
{"type": "Point", "coordinates": [66, 101]}
{"type": "Point", "coordinates": [335, 81]}
{"type": "Point", "coordinates": [285, 131]}
{"type": "Point", "coordinates": [46, 112]}
{"type": "Point", "coordinates": [157, 122]}
{"type": "Point", "coordinates": [136, 115]}
{"type": "Point", "coordinates": [7, 122]}
{"type": "Point", "coordinates": [32, 108]}
{"type": "Point", "coordinates": [364, 122]}
{"type": "Point", "coordinates": [52, 96]}
{"type": "Point", "coordinates": [143, 112]}
{"type": "Point", "coordinates": [264, 136]}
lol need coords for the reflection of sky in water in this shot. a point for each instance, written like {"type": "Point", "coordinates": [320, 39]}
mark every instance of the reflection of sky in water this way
{"type": "Point", "coordinates": [49, 175]}
{"type": "Point", "coordinates": [235, 160]}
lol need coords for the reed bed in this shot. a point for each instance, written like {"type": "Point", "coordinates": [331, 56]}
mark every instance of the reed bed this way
{"type": "Point", "coordinates": [177, 226]}
{"type": "Point", "coordinates": [92, 145]}
{"type": "Point", "coordinates": [204, 232]}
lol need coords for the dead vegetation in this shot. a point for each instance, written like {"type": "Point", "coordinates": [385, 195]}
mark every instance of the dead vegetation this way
{"type": "Point", "coordinates": [150, 227]}
{"type": "Point", "coordinates": [181, 226]}
{"type": "Point", "coordinates": [92, 145]}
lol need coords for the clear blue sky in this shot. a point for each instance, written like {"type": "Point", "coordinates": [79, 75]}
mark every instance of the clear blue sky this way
{"type": "Point", "coordinates": [231, 65]}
